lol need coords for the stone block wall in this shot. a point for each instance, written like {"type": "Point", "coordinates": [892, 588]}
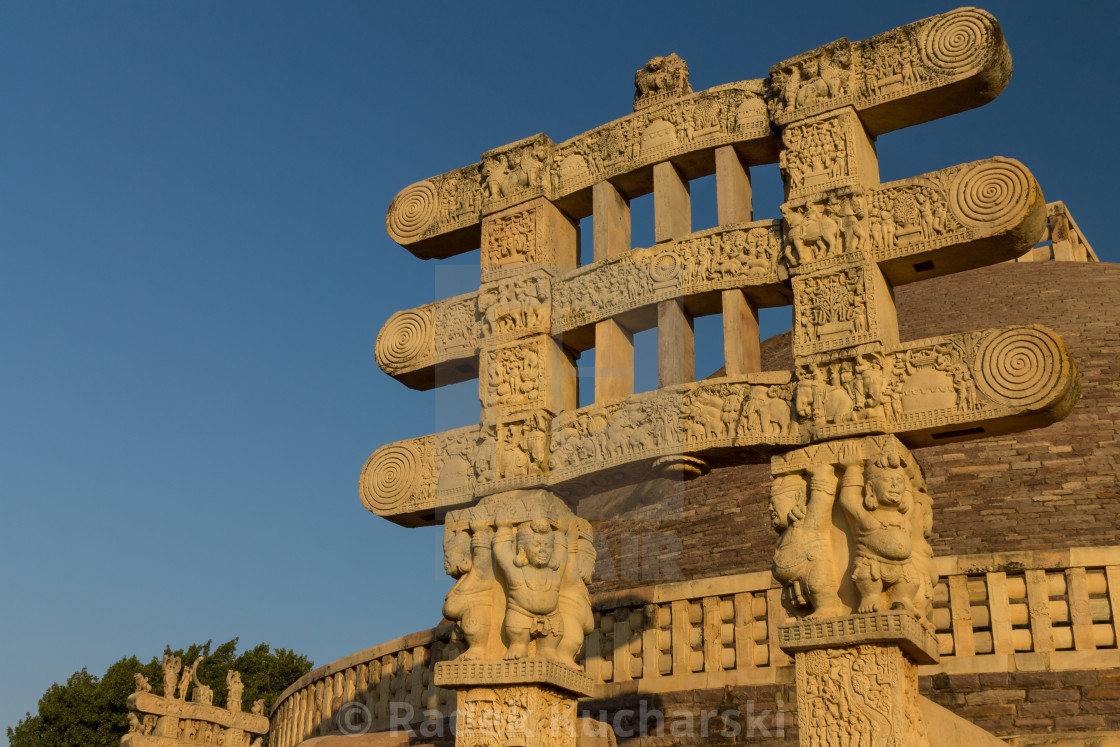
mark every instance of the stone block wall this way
{"type": "Point", "coordinates": [1007, 703]}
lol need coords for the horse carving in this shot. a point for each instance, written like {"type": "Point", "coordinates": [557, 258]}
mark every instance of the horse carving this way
{"type": "Point", "coordinates": [811, 236]}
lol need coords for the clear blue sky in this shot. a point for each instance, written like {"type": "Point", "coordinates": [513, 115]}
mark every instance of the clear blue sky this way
{"type": "Point", "coordinates": [195, 269]}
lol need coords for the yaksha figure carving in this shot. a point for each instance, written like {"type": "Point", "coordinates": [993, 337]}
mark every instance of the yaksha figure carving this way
{"type": "Point", "coordinates": [888, 523]}
{"type": "Point", "coordinates": [575, 602]}
{"type": "Point", "coordinates": [885, 511]}
{"type": "Point", "coordinates": [524, 556]}
{"type": "Point", "coordinates": [188, 675]}
{"type": "Point", "coordinates": [533, 568]}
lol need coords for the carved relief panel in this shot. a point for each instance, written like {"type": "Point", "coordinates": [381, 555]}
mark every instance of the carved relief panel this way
{"type": "Point", "coordinates": [173, 719]}
{"type": "Point", "coordinates": [519, 715]}
{"type": "Point", "coordinates": [931, 53]}
{"type": "Point", "coordinates": [456, 328]}
{"type": "Point", "coordinates": [746, 255]}
{"type": "Point", "coordinates": [526, 238]}
{"type": "Point", "coordinates": [843, 308]}
{"type": "Point", "coordinates": [535, 373]}
{"type": "Point", "coordinates": [515, 173]}
{"type": "Point", "coordinates": [440, 205]}
{"type": "Point", "coordinates": [516, 446]}
{"type": "Point", "coordinates": [866, 694]}
{"type": "Point", "coordinates": [921, 71]}
{"type": "Point", "coordinates": [827, 151]}
{"type": "Point", "coordinates": [813, 82]}
{"type": "Point", "coordinates": [515, 307]}
{"type": "Point", "coordinates": [665, 126]}
{"type": "Point", "coordinates": [824, 228]}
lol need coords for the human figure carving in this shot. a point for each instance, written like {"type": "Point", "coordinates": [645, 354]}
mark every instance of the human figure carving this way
{"type": "Point", "coordinates": [512, 460]}
{"type": "Point", "coordinates": [533, 570]}
{"type": "Point", "coordinates": [756, 405]}
{"type": "Point", "coordinates": [923, 552]}
{"type": "Point", "coordinates": [185, 680]}
{"type": "Point", "coordinates": [171, 666]}
{"type": "Point", "coordinates": [836, 71]}
{"type": "Point", "coordinates": [536, 439]}
{"type": "Point", "coordinates": [837, 403]}
{"type": "Point", "coordinates": [813, 235]}
{"type": "Point", "coordinates": [851, 221]}
{"type": "Point", "coordinates": [515, 178]}
{"type": "Point", "coordinates": [879, 505]}
{"type": "Point", "coordinates": [235, 687]}
{"type": "Point", "coordinates": [730, 412]}
{"type": "Point", "coordinates": [467, 558]}
{"type": "Point", "coordinates": [485, 454]}
{"type": "Point", "coordinates": [807, 396]}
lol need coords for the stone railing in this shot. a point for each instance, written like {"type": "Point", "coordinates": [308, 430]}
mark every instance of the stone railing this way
{"type": "Point", "coordinates": [1042, 610]}
{"type": "Point", "coordinates": [364, 691]}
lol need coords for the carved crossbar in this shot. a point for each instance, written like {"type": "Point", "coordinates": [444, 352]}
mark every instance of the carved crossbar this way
{"type": "Point", "coordinates": [168, 722]}
{"type": "Point", "coordinates": [449, 333]}
{"type": "Point", "coordinates": [909, 75]}
{"type": "Point", "coordinates": [844, 241]}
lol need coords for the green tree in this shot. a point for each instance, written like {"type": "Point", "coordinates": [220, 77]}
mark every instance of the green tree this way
{"type": "Point", "coordinates": [93, 712]}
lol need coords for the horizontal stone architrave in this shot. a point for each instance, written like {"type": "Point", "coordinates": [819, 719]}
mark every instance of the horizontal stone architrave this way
{"type": "Point", "coordinates": [944, 389]}
{"type": "Point", "coordinates": [158, 705]}
{"type": "Point", "coordinates": [987, 212]}
{"type": "Point", "coordinates": [659, 603]}
{"type": "Point", "coordinates": [136, 739]}
{"type": "Point", "coordinates": [953, 62]}
{"type": "Point", "coordinates": [440, 216]}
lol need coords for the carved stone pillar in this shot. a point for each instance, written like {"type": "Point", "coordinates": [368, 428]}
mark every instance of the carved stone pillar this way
{"type": "Point", "coordinates": [522, 559]}
{"type": "Point", "coordinates": [853, 555]}
{"type": "Point", "coordinates": [526, 377]}
{"type": "Point", "coordinates": [857, 679]}
{"type": "Point", "coordinates": [530, 703]}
